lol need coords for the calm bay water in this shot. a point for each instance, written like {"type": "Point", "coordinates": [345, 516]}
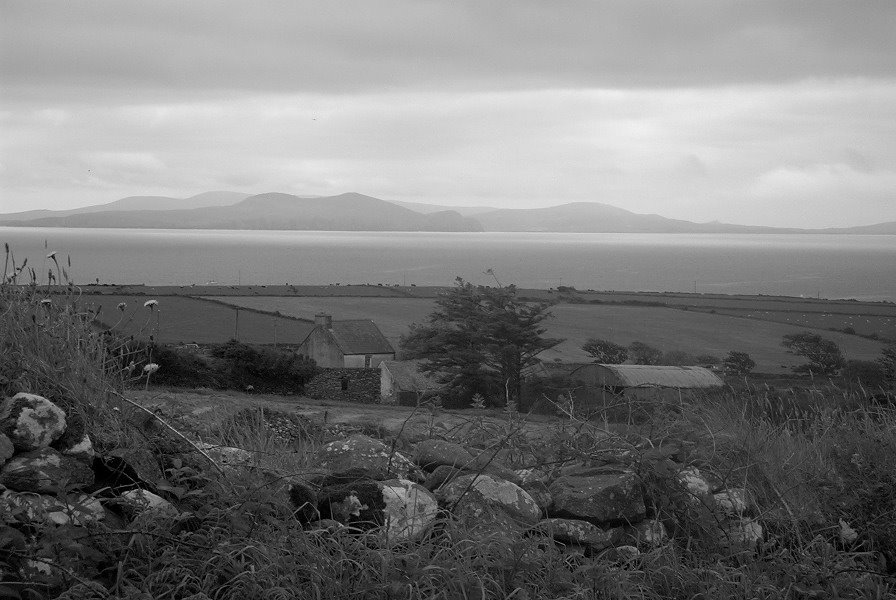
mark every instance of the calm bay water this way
{"type": "Point", "coordinates": [829, 266]}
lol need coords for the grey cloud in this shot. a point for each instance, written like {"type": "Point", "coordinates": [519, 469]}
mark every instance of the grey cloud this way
{"type": "Point", "coordinates": [166, 47]}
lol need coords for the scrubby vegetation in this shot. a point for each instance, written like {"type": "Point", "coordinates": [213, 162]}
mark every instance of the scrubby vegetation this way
{"type": "Point", "coordinates": [821, 467]}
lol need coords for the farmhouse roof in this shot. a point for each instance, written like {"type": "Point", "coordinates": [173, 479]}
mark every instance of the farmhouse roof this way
{"type": "Point", "coordinates": [360, 336]}
{"type": "Point", "coordinates": [407, 376]}
{"type": "Point", "coordinates": [655, 376]}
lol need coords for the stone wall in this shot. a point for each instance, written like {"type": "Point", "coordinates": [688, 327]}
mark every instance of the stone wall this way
{"type": "Point", "coordinates": [363, 385]}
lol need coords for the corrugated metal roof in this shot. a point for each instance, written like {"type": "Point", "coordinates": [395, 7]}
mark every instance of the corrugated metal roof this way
{"type": "Point", "coordinates": [655, 376]}
{"type": "Point", "coordinates": [360, 336]}
{"type": "Point", "coordinates": [407, 376]}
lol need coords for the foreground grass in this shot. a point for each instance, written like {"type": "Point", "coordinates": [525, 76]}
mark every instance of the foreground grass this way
{"type": "Point", "coordinates": [810, 464]}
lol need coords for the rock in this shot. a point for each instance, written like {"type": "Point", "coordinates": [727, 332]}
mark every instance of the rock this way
{"type": "Point", "coordinates": [622, 554]}
{"type": "Point", "coordinates": [478, 496]}
{"type": "Point", "coordinates": [734, 502]}
{"type": "Point", "coordinates": [128, 468]}
{"type": "Point", "coordinates": [430, 454]}
{"type": "Point", "coordinates": [6, 448]}
{"type": "Point", "coordinates": [649, 532]}
{"type": "Point", "coordinates": [226, 456]}
{"type": "Point", "coordinates": [304, 501]}
{"type": "Point", "coordinates": [847, 534]}
{"type": "Point", "coordinates": [598, 495]}
{"type": "Point", "coordinates": [440, 476]}
{"type": "Point", "coordinates": [50, 510]}
{"type": "Point", "coordinates": [31, 422]}
{"type": "Point", "coordinates": [360, 452]}
{"type": "Point", "coordinates": [45, 470]}
{"type": "Point", "coordinates": [541, 493]}
{"type": "Point", "coordinates": [696, 484]}
{"type": "Point", "coordinates": [574, 531]}
{"type": "Point", "coordinates": [399, 509]}
{"type": "Point", "coordinates": [741, 535]}
{"type": "Point", "coordinates": [80, 447]}
{"type": "Point", "coordinates": [143, 502]}
{"type": "Point", "coordinates": [410, 510]}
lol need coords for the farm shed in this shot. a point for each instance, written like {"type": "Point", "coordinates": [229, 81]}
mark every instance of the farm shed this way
{"type": "Point", "coordinates": [353, 344]}
{"type": "Point", "coordinates": [402, 382]}
{"type": "Point", "coordinates": [642, 381]}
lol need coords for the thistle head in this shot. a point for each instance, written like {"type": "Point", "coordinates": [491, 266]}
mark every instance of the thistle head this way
{"type": "Point", "coordinates": [150, 304]}
{"type": "Point", "coordinates": [122, 306]}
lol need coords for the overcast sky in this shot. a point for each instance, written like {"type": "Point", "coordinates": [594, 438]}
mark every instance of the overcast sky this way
{"type": "Point", "coordinates": [769, 113]}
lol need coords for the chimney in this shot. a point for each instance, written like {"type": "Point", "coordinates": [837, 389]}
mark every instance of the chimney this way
{"type": "Point", "coordinates": [324, 320]}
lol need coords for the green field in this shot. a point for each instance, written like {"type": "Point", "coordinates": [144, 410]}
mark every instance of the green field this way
{"type": "Point", "coordinates": [179, 319]}
{"type": "Point", "coordinates": [692, 331]}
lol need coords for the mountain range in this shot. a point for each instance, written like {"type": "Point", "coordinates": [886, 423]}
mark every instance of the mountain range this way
{"type": "Point", "coordinates": [357, 212]}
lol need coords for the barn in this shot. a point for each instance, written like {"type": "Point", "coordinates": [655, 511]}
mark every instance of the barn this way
{"type": "Point", "coordinates": [402, 382]}
{"type": "Point", "coordinates": [642, 381]}
{"type": "Point", "coordinates": [352, 344]}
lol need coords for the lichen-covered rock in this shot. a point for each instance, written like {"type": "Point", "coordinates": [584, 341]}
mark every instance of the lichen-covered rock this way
{"type": "Point", "coordinates": [430, 454]}
{"type": "Point", "coordinates": [45, 471]}
{"type": "Point", "coordinates": [51, 510]}
{"type": "Point", "coordinates": [696, 483]}
{"type": "Point", "coordinates": [399, 509]}
{"type": "Point", "coordinates": [622, 554]}
{"type": "Point", "coordinates": [575, 531]}
{"type": "Point", "coordinates": [478, 497]}
{"type": "Point", "coordinates": [31, 421]}
{"type": "Point", "coordinates": [734, 502]}
{"type": "Point", "coordinates": [410, 510]}
{"type": "Point", "coordinates": [143, 502]}
{"type": "Point", "coordinates": [741, 535]}
{"type": "Point", "coordinates": [596, 495]}
{"type": "Point", "coordinates": [440, 476]}
{"type": "Point", "coordinates": [649, 532]}
{"type": "Point", "coordinates": [6, 448]}
{"type": "Point", "coordinates": [373, 457]}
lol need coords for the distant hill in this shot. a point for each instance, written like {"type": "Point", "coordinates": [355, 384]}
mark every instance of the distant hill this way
{"type": "Point", "coordinates": [357, 212]}
{"type": "Point", "coordinates": [345, 212]}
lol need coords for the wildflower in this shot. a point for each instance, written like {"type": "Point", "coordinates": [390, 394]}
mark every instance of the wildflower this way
{"type": "Point", "coordinates": [122, 306]}
{"type": "Point", "coordinates": [51, 255]}
{"type": "Point", "coordinates": [150, 368]}
{"type": "Point", "coordinates": [150, 304]}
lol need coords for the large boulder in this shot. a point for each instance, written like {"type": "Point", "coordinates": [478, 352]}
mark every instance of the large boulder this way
{"type": "Point", "coordinates": [45, 471]}
{"type": "Point", "coordinates": [481, 498]}
{"type": "Point", "coordinates": [31, 421]}
{"type": "Point", "coordinates": [362, 453]}
{"type": "Point", "coordinates": [430, 454]}
{"type": "Point", "coordinates": [50, 510]}
{"type": "Point", "coordinates": [599, 496]}
{"type": "Point", "coordinates": [6, 448]}
{"type": "Point", "coordinates": [399, 509]}
{"type": "Point", "coordinates": [573, 531]}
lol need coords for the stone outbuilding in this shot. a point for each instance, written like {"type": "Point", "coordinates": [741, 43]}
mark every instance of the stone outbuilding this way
{"type": "Point", "coordinates": [402, 382]}
{"type": "Point", "coordinates": [353, 344]}
{"type": "Point", "coordinates": [603, 382]}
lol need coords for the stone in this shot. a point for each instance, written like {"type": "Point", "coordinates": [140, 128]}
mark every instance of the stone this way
{"type": "Point", "coordinates": [741, 535]}
{"type": "Point", "coordinates": [410, 510]}
{"type": "Point", "coordinates": [143, 502]}
{"type": "Point", "coordinates": [31, 422]}
{"type": "Point", "coordinates": [574, 531]}
{"type": "Point", "coordinates": [373, 457]}
{"type": "Point", "coordinates": [430, 454]}
{"type": "Point", "coordinates": [649, 532]}
{"type": "Point", "coordinates": [50, 510]}
{"type": "Point", "coordinates": [541, 493]}
{"type": "Point", "coordinates": [622, 554]}
{"type": "Point", "coordinates": [696, 484]}
{"type": "Point", "coordinates": [441, 475]}
{"type": "Point", "coordinates": [6, 448]}
{"type": "Point", "coordinates": [80, 448]}
{"type": "Point", "coordinates": [477, 496]}
{"type": "Point", "coordinates": [847, 534]}
{"type": "Point", "coordinates": [734, 502]}
{"type": "Point", "coordinates": [127, 468]}
{"type": "Point", "coordinates": [45, 470]}
{"type": "Point", "coordinates": [226, 456]}
{"type": "Point", "coordinates": [599, 496]}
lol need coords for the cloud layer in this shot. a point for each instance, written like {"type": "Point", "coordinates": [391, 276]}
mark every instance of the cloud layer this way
{"type": "Point", "coordinates": [752, 112]}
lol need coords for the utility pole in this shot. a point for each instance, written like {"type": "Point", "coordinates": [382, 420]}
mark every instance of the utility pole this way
{"type": "Point", "coordinates": [236, 326]}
